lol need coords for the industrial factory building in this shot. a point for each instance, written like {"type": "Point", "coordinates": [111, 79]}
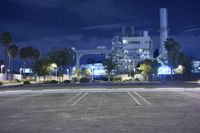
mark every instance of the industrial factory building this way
{"type": "Point", "coordinates": [131, 48]}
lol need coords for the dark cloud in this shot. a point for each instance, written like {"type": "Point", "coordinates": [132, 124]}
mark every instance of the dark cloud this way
{"type": "Point", "coordinates": [88, 23]}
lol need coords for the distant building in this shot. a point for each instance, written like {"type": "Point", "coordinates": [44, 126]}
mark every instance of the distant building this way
{"type": "Point", "coordinates": [196, 67]}
{"type": "Point", "coordinates": [96, 69]}
{"type": "Point", "coordinates": [131, 48]}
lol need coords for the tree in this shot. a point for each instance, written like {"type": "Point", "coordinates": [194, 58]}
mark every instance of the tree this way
{"type": "Point", "coordinates": [78, 73]}
{"type": "Point", "coordinates": [42, 67]}
{"type": "Point", "coordinates": [12, 52]}
{"type": "Point", "coordinates": [86, 73]}
{"type": "Point", "coordinates": [147, 68]}
{"type": "Point", "coordinates": [173, 52]}
{"type": "Point", "coordinates": [23, 53]}
{"type": "Point", "coordinates": [62, 57]}
{"type": "Point", "coordinates": [186, 62]}
{"type": "Point", "coordinates": [156, 53]}
{"type": "Point", "coordinates": [29, 53]}
{"type": "Point", "coordinates": [35, 54]}
{"type": "Point", "coordinates": [110, 65]}
{"type": "Point", "coordinates": [6, 39]}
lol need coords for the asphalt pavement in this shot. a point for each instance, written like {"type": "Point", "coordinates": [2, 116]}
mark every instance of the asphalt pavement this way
{"type": "Point", "coordinates": [100, 111]}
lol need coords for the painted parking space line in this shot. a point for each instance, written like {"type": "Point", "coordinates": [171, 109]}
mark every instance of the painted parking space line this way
{"type": "Point", "coordinates": [74, 97]}
{"type": "Point", "coordinates": [13, 100]}
{"type": "Point", "coordinates": [142, 98]}
{"type": "Point", "coordinates": [132, 97]}
{"type": "Point", "coordinates": [79, 99]}
{"type": "Point", "coordinates": [190, 94]}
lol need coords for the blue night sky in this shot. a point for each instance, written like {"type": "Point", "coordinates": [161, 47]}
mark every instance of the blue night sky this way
{"type": "Point", "coordinates": [85, 24]}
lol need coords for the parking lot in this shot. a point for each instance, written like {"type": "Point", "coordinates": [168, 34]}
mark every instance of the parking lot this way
{"type": "Point", "coordinates": [101, 112]}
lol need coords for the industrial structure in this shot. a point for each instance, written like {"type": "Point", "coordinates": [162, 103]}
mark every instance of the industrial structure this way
{"type": "Point", "coordinates": [163, 29]}
{"type": "Point", "coordinates": [164, 34]}
{"type": "Point", "coordinates": [131, 48]}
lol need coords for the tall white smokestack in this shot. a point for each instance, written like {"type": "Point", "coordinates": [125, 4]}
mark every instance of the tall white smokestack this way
{"type": "Point", "coordinates": [124, 32]}
{"type": "Point", "coordinates": [132, 31]}
{"type": "Point", "coordinates": [163, 29]}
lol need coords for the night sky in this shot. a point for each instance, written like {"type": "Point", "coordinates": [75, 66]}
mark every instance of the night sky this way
{"type": "Point", "coordinates": [85, 24]}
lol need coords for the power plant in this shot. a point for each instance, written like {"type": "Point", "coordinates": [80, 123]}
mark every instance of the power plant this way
{"type": "Point", "coordinates": [131, 47]}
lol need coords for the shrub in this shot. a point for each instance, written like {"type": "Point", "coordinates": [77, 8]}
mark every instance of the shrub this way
{"type": "Point", "coordinates": [84, 80]}
{"type": "Point", "coordinates": [18, 81]}
{"type": "Point", "coordinates": [117, 79]}
{"type": "Point", "coordinates": [53, 82]}
{"type": "Point", "coordinates": [27, 83]}
{"type": "Point", "coordinates": [66, 81]}
{"type": "Point", "coordinates": [74, 80]}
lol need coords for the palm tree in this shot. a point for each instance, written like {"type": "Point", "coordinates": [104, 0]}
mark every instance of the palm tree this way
{"type": "Point", "coordinates": [23, 53]}
{"type": "Point", "coordinates": [12, 52]}
{"type": "Point", "coordinates": [173, 52]}
{"type": "Point", "coordinates": [35, 54]}
{"type": "Point", "coordinates": [6, 39]}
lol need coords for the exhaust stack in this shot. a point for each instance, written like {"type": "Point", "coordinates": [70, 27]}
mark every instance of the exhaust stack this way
{"type": "Point", "coordinates": [163, 29]}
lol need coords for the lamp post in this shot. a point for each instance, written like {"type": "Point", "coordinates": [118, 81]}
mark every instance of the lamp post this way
{"type": "Point", "coordinates": [92, 72]}
{"type": "Point", "coordinates": [2, 66]}
{"type": "Point", "coordinates": [53, 66]}
{"type": "Point", "coordinates": [130, 66]}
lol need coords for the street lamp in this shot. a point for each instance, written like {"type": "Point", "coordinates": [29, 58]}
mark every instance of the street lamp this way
{"type": "Point", "coordinates": [130, 66]}
{"type": "Point", "coordinates": [92, 67]}
{"type": "Point", "coordinates": [2, 66]}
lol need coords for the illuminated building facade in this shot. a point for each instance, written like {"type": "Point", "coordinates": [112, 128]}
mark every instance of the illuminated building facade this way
{"type": "Point", "coordinates": [130, 49]}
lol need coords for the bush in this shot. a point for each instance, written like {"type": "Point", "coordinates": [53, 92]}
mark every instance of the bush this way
{"type": "Point", "coordinates": [136, 80]}
{"type": "Point", "coordinates": [74, 80]}
{"type": "Point", "coordinates": [117, 79]}
{"type": "Point", "coordinates": [84, 80]}
{"type": "Point", "coordinates": [27, 83]}
{"type": "Point", "coordinates": [66, 81]}
{"type": "Point", "coordinates": [1, 83]}
{"type": "Point", "coordinates": [53, 82]}
{"type": "Point", "coordinates": [18, 81]}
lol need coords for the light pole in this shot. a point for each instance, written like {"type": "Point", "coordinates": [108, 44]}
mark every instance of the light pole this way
{"type": "Point", "coordinates": [130, 66]}
{"type": "Point", "coordinates": [92, 72]}
{"type": "Point", "coordinates": [2, 66]}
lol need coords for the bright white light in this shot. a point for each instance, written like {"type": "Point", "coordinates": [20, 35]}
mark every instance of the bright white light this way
{"type": "Point", "coordinates": [53, 65]}
{"type": "Point", "coordinates": [125, 42]}
{"type": "Point", "coordinates": [2, 66]}
{"type": "Point", "coordinates": [164, 70]}
{"type": "Point", "coordinates": [96, 69]}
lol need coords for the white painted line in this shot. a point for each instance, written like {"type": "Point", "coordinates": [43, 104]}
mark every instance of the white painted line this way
{"type": "Point", "coordinates": [138, 103]}
{"type": "Point", "coordinates": [147, 102]}
{"type": "Point", "coordinates": [18, 99]}
{"type": "Point", "coordinates": [194, 95]}
{"type": "Point", "coordinates": [79, 99]}
{"type": "Point", "coordinates": [74, 97]}
{"type": "Point", "coordinates": [189, 94]}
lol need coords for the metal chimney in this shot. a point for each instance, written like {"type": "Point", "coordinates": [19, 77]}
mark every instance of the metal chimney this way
{"type": "Point", "coordinates": [132, 31]}
{"type": "Point", "coordinates": [145, 33]}
{"type": "Point", "coordinates": [124, 34]}
{"type": "Point", "coordinates": [163, 29]}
